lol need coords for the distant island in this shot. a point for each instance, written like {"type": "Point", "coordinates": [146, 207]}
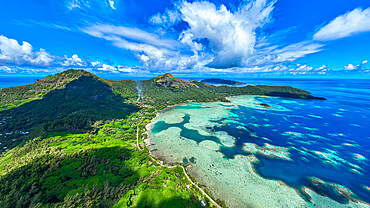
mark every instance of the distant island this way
{"type": "Point", "coordinates": [222, 81]}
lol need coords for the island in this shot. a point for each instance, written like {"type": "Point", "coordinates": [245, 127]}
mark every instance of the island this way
{"type": "Point", "coordinates": [222, 81]}
{"type": "Point", "coordinates": [74, 139]}
{"type": "Point", "coordinates": [264, 105]}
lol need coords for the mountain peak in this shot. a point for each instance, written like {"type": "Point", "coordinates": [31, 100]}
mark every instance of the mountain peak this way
{"type": "Point", "coordinates": [165, 76]}
{"type": "Point", "coordinates": [168, 80]}
{"type": "Point", "coordinates": [64, 76]}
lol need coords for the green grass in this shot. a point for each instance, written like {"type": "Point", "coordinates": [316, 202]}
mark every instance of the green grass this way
{"type": "Point", "coordinates": [91, 170]}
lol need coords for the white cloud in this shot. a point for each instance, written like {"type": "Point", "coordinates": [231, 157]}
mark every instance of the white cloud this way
{"type": "Point", "coordinates": [359, 67]}
{"type": "Point", "coordinates": [272, 55]}
{"type": "Point", "coordinates": [13, 53]}
{"type": "Point", "coordinates": [111, 4]}
{"type": "Point", "coordinates": [74, 61]}
{"type": "Point", "coordinates": [223, 39]}
{"type": "Point", "coordinates": [216, 39]}
{"type": "Point", "coordinates": [130, 34]}
{"type": "Point", "coordinates": [231, 35]}
{"type": "Point", "coordinates": [166, 19]}
{"type": "Point", "coordinates": [295, 51]}
{"type": "Point", "coordinates": [6, 69]}
{"type": "Point", "coordinates": [77, 62]}
{"type": "Point", "coordinates": [154, 52]}
{"type": "Point", "coordinates": [73, 4]}
{"type": "Point", "coordinates": [350, 67]}
{"type": "Point", "coordinates": [106, 67]}
{"type": "Point", "coordinates": [125, 69]}
{"type": "Point", "coordinates": [21, 58]}
{"type": "Point", "coordinates": [349, 24]}
{"type": "Point", "coordinates": [92, 7]}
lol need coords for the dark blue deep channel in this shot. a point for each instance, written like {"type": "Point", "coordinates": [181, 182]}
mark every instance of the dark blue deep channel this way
{"type": "Point", "coordinates": [328, 141]}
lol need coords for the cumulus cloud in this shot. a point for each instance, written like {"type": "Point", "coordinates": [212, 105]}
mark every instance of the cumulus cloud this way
{"type": "Point", "coordinates": [301, 69]}
{"type": "Point", "coordinates": [231, 36]}
{"type": "Point", "coordinates": [229, 39]}
{"type": "Point", "coordinates": [351, 67]}
{"type": "Point", "coordinates": [73, 61]}
{"type": "Point", "coordinates": [11, 52]}
{"type": "Point", "coordinates": [307, 69]}
{"type": "Point", "coordinates": [106, 67]}
{"type": "Point", "coordinates": [216, 37]}
{"type": "Point", "coordinates": [6, 69]}
{"type": "Point", "coordinates": [15, 57]}
{"type": "Point", "coordinates": [349, 24]}
{"type": "Point", "coordinates": [154, 52]}
{"type": "Point", "coordinates": [76, 62]}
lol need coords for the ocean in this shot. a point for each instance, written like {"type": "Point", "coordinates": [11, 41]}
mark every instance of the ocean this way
{"type": "Point", "coordinates": [15, 81]}
{"type": "Point", "coordinates": [315, 147]}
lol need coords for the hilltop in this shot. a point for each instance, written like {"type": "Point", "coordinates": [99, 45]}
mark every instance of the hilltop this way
{"type": "Point", "coordinates": [169, 81]}
{"type": "Point", "coordinates": [15, 96]}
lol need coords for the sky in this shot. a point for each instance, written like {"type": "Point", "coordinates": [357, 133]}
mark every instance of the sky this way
{"type": "Point", "coordinates": [261, 38]}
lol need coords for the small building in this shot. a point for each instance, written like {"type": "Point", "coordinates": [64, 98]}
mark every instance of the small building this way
{"type": "Point", "coordinates": [203, 203]}
{"type": "Point", "coordinates": [188, 186]}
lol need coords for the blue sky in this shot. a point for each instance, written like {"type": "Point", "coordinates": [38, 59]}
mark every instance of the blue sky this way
{"type": "Point", "coordinates": [225, 38]}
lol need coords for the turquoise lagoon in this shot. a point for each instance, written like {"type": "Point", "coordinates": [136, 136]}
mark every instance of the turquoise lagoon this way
{"type": "Point", "coordinates": [296, 153]}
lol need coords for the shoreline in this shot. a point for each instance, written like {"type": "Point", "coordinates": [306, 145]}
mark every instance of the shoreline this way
{"type": "Point", "coordinates": [162, 158]}
{"type": "Point", "coordinates": [172, 165]}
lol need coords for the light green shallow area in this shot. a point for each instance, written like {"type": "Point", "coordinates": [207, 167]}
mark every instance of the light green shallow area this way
{"type": "Point", "coordinates": [234, 180]}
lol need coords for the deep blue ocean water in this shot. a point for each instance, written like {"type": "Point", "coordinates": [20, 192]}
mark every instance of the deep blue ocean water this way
{"type": "Point", "coordinates": [15, 81]}
{"type": "Point", "coordinates": [328, 140]}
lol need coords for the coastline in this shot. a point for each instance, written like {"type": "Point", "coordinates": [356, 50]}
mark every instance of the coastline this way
{"type": "Point", "coordinates": [200, 180]}
{"type": "Point", "coordinates": [172, 165]}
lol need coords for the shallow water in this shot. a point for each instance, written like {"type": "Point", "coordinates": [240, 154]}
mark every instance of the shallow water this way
{"type": "Point", "coordinates": [322, 146]}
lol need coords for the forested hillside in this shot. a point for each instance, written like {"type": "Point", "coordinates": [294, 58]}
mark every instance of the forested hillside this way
{"type": "Point", "coordinates": [75, 107]}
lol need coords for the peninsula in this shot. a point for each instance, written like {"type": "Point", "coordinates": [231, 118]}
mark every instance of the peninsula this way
{"type": "Point", "coordinates": [222, 81]}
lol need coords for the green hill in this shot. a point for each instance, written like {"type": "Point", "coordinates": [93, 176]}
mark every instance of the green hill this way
{"type": "Point", "coordinates": [73, 106]}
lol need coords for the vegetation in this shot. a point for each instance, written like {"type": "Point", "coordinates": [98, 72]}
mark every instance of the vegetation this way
{"type": "Point", "coordinates": [74, 108]}
{"type": "Point", "coordinates": [167, 90]}
{"type": "Point", "coordinates": [85, 170]}
{"type": "Point", "coordinates": [16, 96]}
{"type": "Point", "coordinates": [69, 140]}
{"type": "Point", "coordinates": [222, 81]}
